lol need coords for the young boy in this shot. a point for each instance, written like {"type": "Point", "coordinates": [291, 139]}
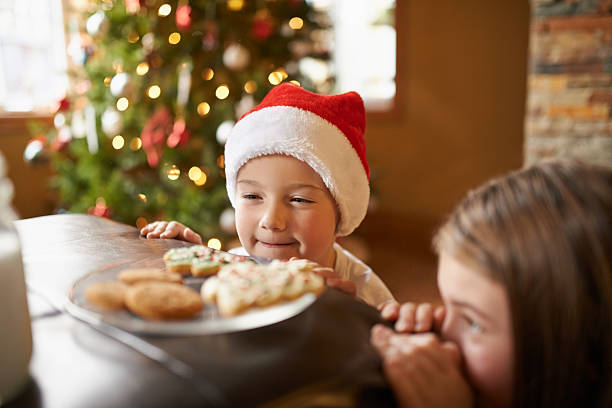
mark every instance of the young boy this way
{"type": "Point", "coordinates": [297, 176]}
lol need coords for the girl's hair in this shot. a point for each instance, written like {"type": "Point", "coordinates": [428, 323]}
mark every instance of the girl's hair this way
{"type": "Point", "coordinates": [545, 233]}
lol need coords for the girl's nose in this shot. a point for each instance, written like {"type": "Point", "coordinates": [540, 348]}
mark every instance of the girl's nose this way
{"type": "Point", "coordinates": [273, 218]}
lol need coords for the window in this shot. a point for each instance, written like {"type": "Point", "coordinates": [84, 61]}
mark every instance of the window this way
{"type": "Point", "coordinates": [32, 55]}
{"type": "Point", "coordinates": [364, 49]}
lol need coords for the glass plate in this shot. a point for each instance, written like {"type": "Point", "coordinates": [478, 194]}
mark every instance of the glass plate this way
{"type": "Point", "coordinates": [206, 322]}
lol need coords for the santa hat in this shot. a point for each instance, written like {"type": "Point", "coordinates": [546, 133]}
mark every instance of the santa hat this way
{"type": "Point", "coordinates": [324, 131]}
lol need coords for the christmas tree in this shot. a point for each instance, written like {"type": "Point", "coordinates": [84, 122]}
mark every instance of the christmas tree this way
{"type": "Point", "coordinates": [155, 88]}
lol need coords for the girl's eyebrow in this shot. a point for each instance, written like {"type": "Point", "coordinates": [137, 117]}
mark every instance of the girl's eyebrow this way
{"type": "Point", "coordinates": [247, 181]}
{"type": "Point", "coordinates": [304, 185]}
{"type": "Point", "coordinates": [471, 308]}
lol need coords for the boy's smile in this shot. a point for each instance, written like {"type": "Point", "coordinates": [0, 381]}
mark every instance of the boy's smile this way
{"type": "Point", "coordinates": [283, 209]}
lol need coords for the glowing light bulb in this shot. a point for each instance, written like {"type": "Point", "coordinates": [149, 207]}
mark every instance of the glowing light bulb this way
{"type": "Point", "coordinates": [214, 243]}
{"type": "Point", "coordinates": [135, 143]}
{"type": "Point", "coordinates": [208, 74]}
{"type": "Point", "coordinates": [174, 38]}
{"type": "Point", "coordinates": [122, 104]}
{"type": "Point", "coordinates": [296, 23]}
{"type": "Point", "coordinates": [164, 10]}
{"type": "Point", "coordinates": [154, 92]}
{"type": "Point", "coordinates": [203, 108]}
{"type": "Point", "coordinates": [235, 5]}
{"type": "Point", "coordinates": [141, 222]}
{"type": "Point", "coordinates": [222, 91]}
{"type": "Point", "coordinates": [118, 142]}
{"type": "Point", "coordinates": [142, 197]}
{"type": "Point", "coordinates": [275, 78]}
{"type": "Point", "coordinates": [195, 173]}
{"type": "Point", "coordinates": [250, 87]}
{"type": "Point", "coordinates": [142, 68]}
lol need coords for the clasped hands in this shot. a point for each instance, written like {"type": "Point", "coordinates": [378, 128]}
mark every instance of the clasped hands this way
{"type": "Point", "coordinates": [423, 370]}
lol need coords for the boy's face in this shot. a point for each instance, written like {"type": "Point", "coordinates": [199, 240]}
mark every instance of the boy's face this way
{"type": "Point", "coordinates": [283, 209]}
{"type": "Point", "coordinates": [478, 320]}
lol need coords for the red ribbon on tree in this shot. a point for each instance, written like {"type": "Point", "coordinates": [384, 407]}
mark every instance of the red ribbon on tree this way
{"type": "Point", "coordinates": [180, 134]}
{"type": "Point", "coordinates": [154, 134]}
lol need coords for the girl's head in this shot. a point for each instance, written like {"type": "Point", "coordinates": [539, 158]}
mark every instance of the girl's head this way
{"type": "Point", "coordinates": [324, 133]}
{"type": "Point", "coordinates": [526, 275]}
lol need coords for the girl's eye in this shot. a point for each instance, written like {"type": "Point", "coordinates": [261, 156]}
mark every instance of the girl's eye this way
{"type": "Point", "coordinates": [301, 200]}
{"type": "Point", "coordinates": [473, 326]}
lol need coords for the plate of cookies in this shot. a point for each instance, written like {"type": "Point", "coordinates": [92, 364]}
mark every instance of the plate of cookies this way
{"type": "Point", "coordinates": [195, 290]}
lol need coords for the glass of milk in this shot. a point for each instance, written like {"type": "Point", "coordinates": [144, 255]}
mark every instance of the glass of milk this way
{"type": "Point", "coordinates": [15, 331]}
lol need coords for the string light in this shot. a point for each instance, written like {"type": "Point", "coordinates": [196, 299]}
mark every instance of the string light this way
{"type": "Point", "coordinates": [296, 23]}
{"type": "Point", "coordinates": [142, 197]}
{"type": "Point", "coordinates": [133, 37]}
{"type": "Point", "coordinates": [174, 173]}
{"type": "Point", "coordinates": [107, 80]}
{"type": "Point", "coordinates": [250, 87]}
{"type": "Point", "coordinates": [201, 180]}
{"type": "Point", "coordinates": [214, 243]}
{"type": "Point", "coordinates": [141, 222]}
{"type": "Point", "coordinates": [195, 173]}
{"type": "Point", "coordinates": [221, 161]}
{"type": "Point", "coordinates": [208, 74]}
{"type": "Point", "coordinates": [174, 38]}
{"type": "Point", "coordinates": [275, 78]}
{"type": "Point", "coordinates": [118, 142]}
{"type": "Point", "coordinates": [235, 5]}
{"type": "Point", "coordinates": [222, 91]}
{"type": "Point", "coordinates": [122, 104]}
{"type": "Point", "coordinates": [117, 66]}
{"type": "Point", "coordinates": [164, 10]}
{"type": "Point", "coordinates": [154, 92]}
{"type": "Point", "coordinates": [283, 73]}
{"type": "Point", "coordinates": [203, 108]}
{"type": "Point", "coordinates": [293, 81]}
{"type": "Point", "coordinates": [142, 68]}
{"type": "Point", "coordinates": [135, 143]}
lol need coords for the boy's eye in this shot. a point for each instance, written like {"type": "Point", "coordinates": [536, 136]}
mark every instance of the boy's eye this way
{"type": "Point", "coordinates": [301, 200]}
{"type": "Point", "coordinates": [250, 196]}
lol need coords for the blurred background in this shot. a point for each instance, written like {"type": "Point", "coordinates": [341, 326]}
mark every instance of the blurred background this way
{"type": "Point", "coordinates": [120, 108]}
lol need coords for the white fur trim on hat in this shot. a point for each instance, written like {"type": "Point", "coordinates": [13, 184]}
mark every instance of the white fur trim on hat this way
{"type": "Point", "coordinates": [308, 137]}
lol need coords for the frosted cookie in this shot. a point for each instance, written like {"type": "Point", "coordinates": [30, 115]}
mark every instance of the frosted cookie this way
{"type": "Point", "coordinates": [107, 295]}
{"type": "Point", "coordinates": [163, 301]}
{"type": "Point", "coordinates": [133, 276]}
{"type": "Point", "coordinates": [198, 260]}
{"type": "Point", "coordinates": [238, 287]}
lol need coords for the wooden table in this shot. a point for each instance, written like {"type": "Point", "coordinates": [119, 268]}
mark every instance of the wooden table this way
{"type": "Point", "coordinates": [320, 357]}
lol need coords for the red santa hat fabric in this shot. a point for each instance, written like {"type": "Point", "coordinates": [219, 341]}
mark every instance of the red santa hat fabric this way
{"type": "Point", "coordinates": [324, 131]}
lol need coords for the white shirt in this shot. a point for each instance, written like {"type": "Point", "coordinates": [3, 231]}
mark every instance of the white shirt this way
{"type": "Point", "coordinates": [370, 288]}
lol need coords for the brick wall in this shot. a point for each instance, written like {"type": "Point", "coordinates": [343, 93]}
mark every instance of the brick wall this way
{"type": "Point", "coordinates": [569, 104]}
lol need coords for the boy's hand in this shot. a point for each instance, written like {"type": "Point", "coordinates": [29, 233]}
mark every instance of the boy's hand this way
{"type": "Point", "coordinates": [412, 318]}
{"type": "Point", "coordinates": [423, 371]}
{"type": "Point", "coordinates": [172, 229]}
{"type": "Point", "coordinates": [333, 279]}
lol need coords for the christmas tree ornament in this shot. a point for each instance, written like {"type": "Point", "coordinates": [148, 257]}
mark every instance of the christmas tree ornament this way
{"type": "Point", "coordinates": [179, 135]}
{"type": "Point", "coordinates": [62, 105]}
{"type": "Point", "coordinates": [184, 84]}
{"type": "Point", "coordinates": [59, 120]}
{"type": "Point", "coordinates": [223, 131]}
{"type": "Point", "coordinates": [36, 151]}
{"type": "Point", "coordinates": [64, 136]}
{"type": "Point", "coordinates": [119, 84]}
{"type": "Point", "coordinates": [132, 6]}
{"type": "Point", "coordinates": [154, 133]}
{"type": "Point", "coordinates": [148, 42]}
{"type": "Point", "coordinates": [246, 103]}
{"type": "Point", "coordinates": [227, 221]}
{"type": "Point", "coordinates": [77, 124]}
{"type": "Point", "coordinates": [211, 36]}
{"type": "Point", "coordinates": [262, 25]}
{"type": "Point", "coordinates": [236, 57]}
{"type": "Point", "coordinates": [112, 122]}
{"type": "Point", "coordinates": [91, 132]}
{"type": "Point", "coordinates": [97, 23]}
{"type": "Point", "coordinates": [182, 17]}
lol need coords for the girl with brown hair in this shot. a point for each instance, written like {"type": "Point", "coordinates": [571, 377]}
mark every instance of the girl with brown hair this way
{"type": "Point", "coordinates": [525, 275]}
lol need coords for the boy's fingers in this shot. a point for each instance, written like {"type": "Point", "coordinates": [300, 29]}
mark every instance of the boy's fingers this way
{"type": "Point", "coordinates": [160, 227]}
{"type": "Point", "coordinates": [380, 337]}
{"type": "Point", "coordinates": [424, 318]}
{"type": "Point", "coordinates": [191, 236]}
{"type": "Point", "coordinates": [405, 320]}
{"type": "Point", "coordinates": [327, 273]}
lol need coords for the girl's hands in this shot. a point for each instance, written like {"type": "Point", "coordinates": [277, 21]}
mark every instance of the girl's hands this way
{"type": "Point", "coordinates": [172, 229]}
{"type": "Point", "coordinates": [413, 318]}
{"type": "Point", "coordinates": [423, 372]}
